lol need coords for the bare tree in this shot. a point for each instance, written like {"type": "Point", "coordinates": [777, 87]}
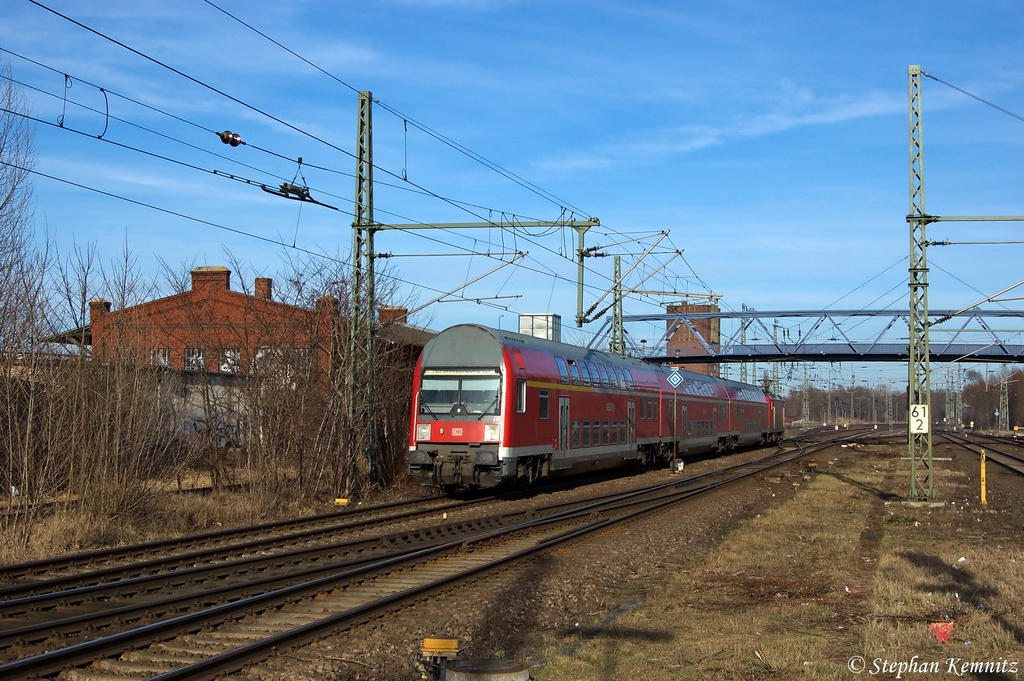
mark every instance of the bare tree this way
{"type": "Point", "coordinates": [16, 162]}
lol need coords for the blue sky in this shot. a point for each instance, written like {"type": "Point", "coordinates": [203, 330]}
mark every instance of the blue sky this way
{"type": "Point", "coordinates": [769, 138]}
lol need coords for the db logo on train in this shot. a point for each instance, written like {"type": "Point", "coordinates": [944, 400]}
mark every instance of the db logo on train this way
{"type": "Point", "coordinates": [456, 432]}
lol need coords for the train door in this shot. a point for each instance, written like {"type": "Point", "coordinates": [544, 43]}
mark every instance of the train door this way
{"type": "Point", "coordinates": [683, 427]}
{"type": "Point", "coordinates": [563, 428]}
{"type": "Point", "coordinates": [631, 423]}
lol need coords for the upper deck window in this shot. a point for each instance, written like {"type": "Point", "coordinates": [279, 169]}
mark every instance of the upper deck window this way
{"type": "Point", "coordinates": [574, 371]}
{"type": "Point", "coordinates": [563, 370]}
{"type": "Point", "coordinates": [585, 371]}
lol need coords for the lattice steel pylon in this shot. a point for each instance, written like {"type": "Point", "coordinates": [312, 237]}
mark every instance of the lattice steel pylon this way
{"type": "Point", "coordinates": [618, 341]}
{"type": "Point", "coordinates": [362, 311]}
{"type": "Point", "coordinates": [919, 432]}
{"type": "Point", "coordinates": [806, 415]}
{"type": "Point", "coordinates": [888, 407]}
{"type": "Point", "coordinates": [951, 398]}
{"type": "Point", "coordinates": [1003, 423]}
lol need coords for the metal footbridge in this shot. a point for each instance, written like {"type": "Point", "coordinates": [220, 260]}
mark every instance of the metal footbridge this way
{"type": "Point", "coordinates": [991, 335]}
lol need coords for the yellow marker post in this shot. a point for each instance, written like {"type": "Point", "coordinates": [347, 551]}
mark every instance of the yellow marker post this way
{"type": "Point", "coordinates": [984, 501]}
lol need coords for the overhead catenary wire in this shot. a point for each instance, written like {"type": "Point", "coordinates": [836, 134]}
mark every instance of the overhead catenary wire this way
{"type": "Point", "coordinates": [206, 170]}
{"type": "Point", "coordinates": [409, 120]}
{"type": "Point", "coordinates": [406, 187]}
{"type": "Point", "coordinates": [209, 223]}
{"type": "Point", "coordinates": [406, 119]}
{"type": "Point", "coordinates": [270, 116]}
{"type": "Point", "coordinates": [973, 96]}
{"type": "Point", "coordinates": [244, 104]}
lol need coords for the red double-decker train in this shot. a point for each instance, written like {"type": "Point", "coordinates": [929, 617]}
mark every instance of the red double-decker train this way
{"type": "Point", "coordinates": [494, 407]}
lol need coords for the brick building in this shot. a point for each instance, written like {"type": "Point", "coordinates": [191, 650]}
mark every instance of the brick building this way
{"type": "Point", "coordinates": [682, 341]}
{"type": "Point", "coordinates": [208, 342]}
{"type": "Point", "coordinates": [211, 328]}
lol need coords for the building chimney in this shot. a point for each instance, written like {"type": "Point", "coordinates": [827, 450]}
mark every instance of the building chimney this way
{"type": "Point", "coordinates": [97, 308]}
{"type": "Point", "coordinates": [264, 288]}
{"type": "Point", "coordinates": [327, 305]}
{"type": "Point", "coordinates": [213, 277]}
{"type": "Point", "coordinates": [393, 314]}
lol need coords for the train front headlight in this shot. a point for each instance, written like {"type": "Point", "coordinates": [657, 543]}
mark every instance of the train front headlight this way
{"type": "Point", "coordinates": [422, 431]}
{"type": "Point", "coordinates": [491, 432]}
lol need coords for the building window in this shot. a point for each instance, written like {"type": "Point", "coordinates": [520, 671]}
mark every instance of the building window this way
{"type": "Point", "coordinates": [194, 360]}
{"type": "Point", "coordinates": [230, 360]}
{"type": "Point", "coordinates": [161, 357]}
{"type": "Point", "coordinates": [127, 355]}
{"type": "Point", "coordinates": [302, 360]}
{"type": "Point", "coordinates": [542, 406]}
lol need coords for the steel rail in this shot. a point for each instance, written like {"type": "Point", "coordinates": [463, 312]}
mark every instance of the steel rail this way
{"type": "Point", "coordinates": [135, 551]}
{"type": "Point", "coordinates": [235, 659]}
{"type": "Point", "coordinates": [216, 554]}
{"type": "Point", "coordinates": [418, 538]}
{"type": "Point", "coordinates": [82, 653]}
{"type": "Point", "coordinates": [1012, 461]}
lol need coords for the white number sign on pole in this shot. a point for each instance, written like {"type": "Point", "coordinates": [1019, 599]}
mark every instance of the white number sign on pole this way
{"type": "Point", "coordinates": [919, 422]}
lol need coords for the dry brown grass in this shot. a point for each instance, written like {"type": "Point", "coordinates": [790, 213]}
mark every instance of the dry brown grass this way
{"type": "Point", "coordinates": [164, 515]}
{"type": "Point", "coordinates": [163, 512]}
{"type": "Point", "coordinates": [799, 590]}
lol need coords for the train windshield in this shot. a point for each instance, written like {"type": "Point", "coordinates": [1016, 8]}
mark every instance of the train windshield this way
{"type": "Point", "coordinates": [460, 392]}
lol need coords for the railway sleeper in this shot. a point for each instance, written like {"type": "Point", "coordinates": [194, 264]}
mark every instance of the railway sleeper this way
{"type": "Point", "coordinates": [134, 668]}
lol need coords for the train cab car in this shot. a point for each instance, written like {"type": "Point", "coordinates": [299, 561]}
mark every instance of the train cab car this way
{"type": "Point", "coordinates": [494, 407]}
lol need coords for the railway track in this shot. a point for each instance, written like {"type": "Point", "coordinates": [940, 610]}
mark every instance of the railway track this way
{"type": "Point", "coordinates": [190, 547]}
{"type": "Point", "coordinates": [996, 448]}
{"type": "Point", "coordinates": [212, 628]}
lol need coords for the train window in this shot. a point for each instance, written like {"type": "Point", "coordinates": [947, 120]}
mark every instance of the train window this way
{"type": "Point", "coordinates": [454, 392]}
{"type": "Point", "coordinates": [586, 432]}
{"type": "Point", "coordinates": [574, 371]}
{"type": "Point", "coordinates": [521, 395]}
{"type": "Point", "coordinates": [606, 432]}
{"type": "Point", "coordinates": [542, 405]}
{"type": "Point", "coordinates": [584, 372]}
{"type": "Point", "coordinates": [605, 381]}
{"type": "Point", "coordinates": [629, 379]}
{"type": "Point", "coordinates": [563, 370]}
{"type": "Point", "coordinates": [576, 434]}
{"type": "Point", "coordinates": [597, 432]}
{"type": "Point", "coordinates": [619, 378]}
{"type": "Point", "coordinates": [615, 431]}
{"type": "Point", "coordinates": [622, 431]}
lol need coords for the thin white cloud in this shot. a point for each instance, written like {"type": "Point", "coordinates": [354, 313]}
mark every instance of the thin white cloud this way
{"type": "Point", "coordinates": [654, 146]}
